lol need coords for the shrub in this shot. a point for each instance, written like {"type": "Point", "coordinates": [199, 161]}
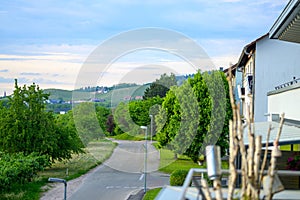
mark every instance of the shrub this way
{"type": "Point", "coordinates": [178, 176]}
{"type": "Point", "coordinates": [19, 169]}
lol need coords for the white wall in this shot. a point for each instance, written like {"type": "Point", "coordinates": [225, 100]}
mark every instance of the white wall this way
{"type": "Point", "coordinates": [287, 102]}
{"type": "Point", "coordinates": [277, 62]}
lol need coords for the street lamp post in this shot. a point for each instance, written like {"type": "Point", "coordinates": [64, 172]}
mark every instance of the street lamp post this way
{"type": "Point", "coordinates": [60, 181]}
{"type": "Point", "coordinates": [145, 158]}
{"type": "Point", "coordinates": [151, 126]}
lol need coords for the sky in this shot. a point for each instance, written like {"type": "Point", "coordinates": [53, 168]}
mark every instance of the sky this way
{"type": "Point", "coordinates": [48, 42]}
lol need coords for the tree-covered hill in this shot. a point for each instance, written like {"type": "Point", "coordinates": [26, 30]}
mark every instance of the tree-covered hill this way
{"type": "Point", "coordinates": [109, 98]}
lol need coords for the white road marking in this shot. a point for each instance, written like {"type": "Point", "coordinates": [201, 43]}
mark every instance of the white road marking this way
{"type": "Point", "coordinates": [142, 176]}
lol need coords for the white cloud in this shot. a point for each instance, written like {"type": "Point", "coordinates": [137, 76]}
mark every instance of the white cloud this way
{"type": "Point", "coordinates": [54, 66]}
{"type": "Point", "coordinates": [57, 66]}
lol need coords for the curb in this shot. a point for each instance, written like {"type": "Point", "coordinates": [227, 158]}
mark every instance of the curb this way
{"type": "Point", "coordinates": [138, 196]}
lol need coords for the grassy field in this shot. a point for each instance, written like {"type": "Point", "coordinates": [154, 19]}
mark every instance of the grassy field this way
{"type": "Point", "coordinates": [97, 152]}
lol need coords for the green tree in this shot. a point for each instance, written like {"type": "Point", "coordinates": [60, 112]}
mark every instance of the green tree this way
{"type": "Point", "coordinates": [140, 111]}
{"type": "Point", "coordinates": [102, 116]}
{"type": "Point", "coordinates": [221, 108]}
{"type": "Point", "coordinates": [110, 125]}
{"type": "Point", "coordinates": [123, 120]}
{"type": "Point", "coordinates": [66, 129]}
{"type": "Point", "coordinates": [195, 114]}
{"type": "Point", "coordinates": [178, 119]}
{"type": "Point", "coordinates": [200, 89]}
{"type": "Point", "coordinates": [87, 122]}
{"type": "Point", "coordinates": [160, 86]}
{"type": "Point", "coordinates": [168, 114]}
{"type": "Point", "coordinates": [26, 127]}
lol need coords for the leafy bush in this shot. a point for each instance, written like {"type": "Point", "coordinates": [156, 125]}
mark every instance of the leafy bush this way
{"type": "Point", "coordinates": [177, 177]}
{"type": "Point", "coordinates": [19, 169]}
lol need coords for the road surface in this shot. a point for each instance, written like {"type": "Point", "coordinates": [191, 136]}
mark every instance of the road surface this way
{"type": "Point", "coordinates": [122, 174]}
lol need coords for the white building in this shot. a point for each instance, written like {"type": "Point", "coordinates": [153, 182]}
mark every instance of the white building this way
{"type": "Point", "coordinates": [266, 64]}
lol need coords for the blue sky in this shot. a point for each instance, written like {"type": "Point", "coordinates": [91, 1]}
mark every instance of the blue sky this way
{"type": "Point", "coordinates": [47, 41]}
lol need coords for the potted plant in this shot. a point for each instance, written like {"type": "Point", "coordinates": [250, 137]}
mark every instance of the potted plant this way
{"type": "Point", "coordinates": [293, 163]}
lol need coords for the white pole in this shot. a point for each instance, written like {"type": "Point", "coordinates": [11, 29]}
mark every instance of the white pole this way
{"type": "Point", "coordinates": [145, 159]}
{"type": "Point", "coordinates": [151, 126]}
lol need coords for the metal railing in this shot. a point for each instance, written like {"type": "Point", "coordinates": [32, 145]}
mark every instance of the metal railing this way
{"type": "Point", "coordinates": [294, 81]}
{"type": "Point", "coordinates": [194, 171]}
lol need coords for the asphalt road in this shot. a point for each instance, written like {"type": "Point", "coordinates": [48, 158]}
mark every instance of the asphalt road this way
{"type": "Point", "coordinates": [122, 174]}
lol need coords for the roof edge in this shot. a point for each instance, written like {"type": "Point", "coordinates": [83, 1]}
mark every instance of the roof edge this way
{"type": "Point", "coordinates": [245, 50]}
{"type": "Point", "coordinates": [284, 19]}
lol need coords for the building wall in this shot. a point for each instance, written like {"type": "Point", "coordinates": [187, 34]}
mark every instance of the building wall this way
{"type": "Point", "coordinates": [276, 62]}
{"type": "Point", "coordinates": [286, 101]}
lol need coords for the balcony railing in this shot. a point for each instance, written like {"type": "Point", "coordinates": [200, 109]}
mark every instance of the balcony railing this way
{"type": "Point", "coordinates": [294, 81]}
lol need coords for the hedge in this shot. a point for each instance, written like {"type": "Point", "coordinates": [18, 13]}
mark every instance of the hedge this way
{"type": "Point", "coordinates": [177, 177]}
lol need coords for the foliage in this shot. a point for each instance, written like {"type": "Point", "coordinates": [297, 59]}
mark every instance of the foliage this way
{"type": "Point", "coordinates": [97, 152]}
{"type": "Point", "coordinates": [128, 117]}
{"type": "Point", "coordinates": [140, 110]}
{"type": "Point", "coordinates": [4, 101]}
{"type": "Point", "coordinates": [57, 108]}
{"type": "Point", "coordinates": [165, 119]}
{"type": "Point", "coordinates": [20, 169]}
{"type": "Point", "coordinates": [87, 122]}
{"type": "Point", "coordinates": [177, 177]}
{"type": "Point", "coordinates": [102, 116]}
{"type": "Point", "coordinates": [221, 112]}
{"type": "Point", "coordinates": [110, 125]}
{"type": "Point", "coordinates": [293, 163]}
{"type": "Point", "coordinates": [67, 130]}
{"type": "Point", "coordinates": [25, 126]}
{"type": "Point", "coordinates": [123, 120]}
{"type": "Point", "coordinates": [160, 86]}
{"type": "Point", "coordinates": [195, 114]}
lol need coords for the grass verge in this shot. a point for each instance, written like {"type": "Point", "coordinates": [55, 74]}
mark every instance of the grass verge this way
{"type": "Point", "coordinates": [97, 152]}
{"type": "Point", "coordinates": [151, 194]}
{"type": "Point", "coordinates": [126, 136]}
{"type": "Point", "coordinates": [168, 163]}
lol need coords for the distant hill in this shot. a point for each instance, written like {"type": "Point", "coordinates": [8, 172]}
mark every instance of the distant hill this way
{"type": "Point", "coordinates": [65, 95]}
{"type": "Point", "coordinates": [108, 98]}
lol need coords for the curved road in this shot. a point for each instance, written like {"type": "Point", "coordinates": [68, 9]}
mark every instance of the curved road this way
{"type": "Point", "coordinates": [122, 174]}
